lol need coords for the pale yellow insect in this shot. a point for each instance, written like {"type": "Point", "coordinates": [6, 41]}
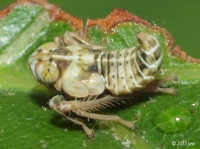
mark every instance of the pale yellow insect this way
{"type": "Point", "coordinates": [84, 71]}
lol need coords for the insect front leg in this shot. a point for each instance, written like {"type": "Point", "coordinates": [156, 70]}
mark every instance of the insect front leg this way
{"type": "Point", "coordinates": [71, 39]}
{"type": "Point", "coordinates": [56, 104]}
{"type": "Point", "coordinates": [78, 121]}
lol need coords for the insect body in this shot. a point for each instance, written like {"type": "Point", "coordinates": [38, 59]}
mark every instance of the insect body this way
{"type": "Point", "coordinates": [82, 70]}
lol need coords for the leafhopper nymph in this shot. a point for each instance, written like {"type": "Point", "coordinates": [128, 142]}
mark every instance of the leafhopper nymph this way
{"type": "Point", "coordinates": [83, 71]}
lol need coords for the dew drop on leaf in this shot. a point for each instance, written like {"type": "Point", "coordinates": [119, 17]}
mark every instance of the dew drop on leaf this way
{"type": "Point", "coordinates": [173, 120]}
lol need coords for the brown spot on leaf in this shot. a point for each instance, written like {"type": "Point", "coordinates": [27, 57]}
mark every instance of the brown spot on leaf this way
{"type": "Point", "coordinates": [183, 55]}
{"type": "Point", "coordinates": [119, 16]}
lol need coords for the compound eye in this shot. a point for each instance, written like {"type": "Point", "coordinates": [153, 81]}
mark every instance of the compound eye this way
{"type": "Point", "coordinates": [47, 72]}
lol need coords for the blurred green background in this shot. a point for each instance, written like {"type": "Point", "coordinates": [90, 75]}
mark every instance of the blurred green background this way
{"type": "Point", "coordinates": [180, 17]}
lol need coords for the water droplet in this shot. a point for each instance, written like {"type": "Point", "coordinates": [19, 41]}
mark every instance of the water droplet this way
{"type": "Point", "coordinates": [173, 120]}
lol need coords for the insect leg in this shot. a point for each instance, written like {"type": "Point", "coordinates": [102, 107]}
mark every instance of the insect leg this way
{"type": "Point", "coordinates": [159, 86]}
{"type": "Point", "coordinates": [163, 88]}
{"type": "Point", "coordinates": [106, 118]}
{"type": "Point", "coordinates": [171, 91]}
{"type": "Point", "coordinates": [73, 39]}
{"type": "Point", "coordinates": [55, 104]}
{"type": "Point", "coordinates": [70, 38]}
{"type": "Point", "coordinates": [169, 79]}
{"type": "Point", "coordinates": [76, 121]}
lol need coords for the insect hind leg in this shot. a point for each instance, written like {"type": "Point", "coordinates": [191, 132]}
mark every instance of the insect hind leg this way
{"type": "Point", "coordinates": [85, 107]}
{"type": "Point", "coordinates": [78, 121]}
{"type": "Point", "coordinates": [160, 86]}
{"type": "Point", "coordinates": [107, 118]}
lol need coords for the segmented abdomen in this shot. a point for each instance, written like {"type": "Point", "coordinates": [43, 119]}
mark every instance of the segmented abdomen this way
{"type": "Point", "coordinates": [128, 70]}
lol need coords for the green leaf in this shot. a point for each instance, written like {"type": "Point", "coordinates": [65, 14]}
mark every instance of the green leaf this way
{"type": "Point", "coordinates": [27, 121]}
